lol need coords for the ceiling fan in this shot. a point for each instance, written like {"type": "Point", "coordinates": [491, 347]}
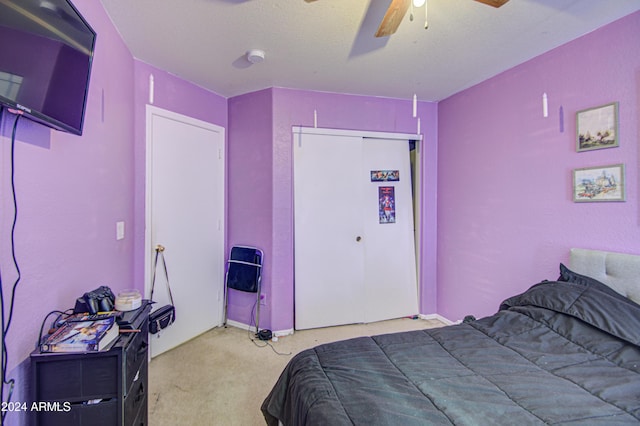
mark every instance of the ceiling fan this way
{"type": "Point", "coordinates": [398, 8]}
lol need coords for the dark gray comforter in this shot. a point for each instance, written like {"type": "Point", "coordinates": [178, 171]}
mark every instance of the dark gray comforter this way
{"type": "Point", "coordinates": [560, 353]}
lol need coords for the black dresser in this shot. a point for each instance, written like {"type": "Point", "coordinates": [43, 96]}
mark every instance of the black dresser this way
{"type": "Point", "coordinates": [97, 388]}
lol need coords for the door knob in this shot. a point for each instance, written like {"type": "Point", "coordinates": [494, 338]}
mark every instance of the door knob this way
{"type": "Point", "coordinates": [358, 238]}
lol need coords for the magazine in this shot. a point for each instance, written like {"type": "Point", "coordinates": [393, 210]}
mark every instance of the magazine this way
{"type": "Point", "coordinates": [83, 336]}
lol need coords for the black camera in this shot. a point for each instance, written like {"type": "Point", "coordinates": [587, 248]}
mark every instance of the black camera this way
{"type": "Point", "coordinates": [101, 299]}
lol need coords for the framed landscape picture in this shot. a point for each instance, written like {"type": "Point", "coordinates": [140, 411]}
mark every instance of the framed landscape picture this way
{"type": "Point", "coordinates": [605, 183]}
{"type": "Point", "coordinates": [597, 128]}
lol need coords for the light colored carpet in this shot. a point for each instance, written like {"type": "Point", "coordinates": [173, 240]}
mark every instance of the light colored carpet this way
{"type": "Point", "coordinates": [221, 377]}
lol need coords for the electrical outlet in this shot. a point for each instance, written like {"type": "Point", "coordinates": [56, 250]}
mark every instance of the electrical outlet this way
{"type": "Point", "coordinates": [263, 299]}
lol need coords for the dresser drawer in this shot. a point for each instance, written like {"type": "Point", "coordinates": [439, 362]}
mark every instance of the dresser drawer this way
{"type": "Point", "coordinates": [104, 413]}
{"type": "Point", "coordinates": [136, 353]}
{"type": "Point", "coordinates": [77, 378]}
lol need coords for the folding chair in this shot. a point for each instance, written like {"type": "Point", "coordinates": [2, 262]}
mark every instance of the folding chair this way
{"type": "Point", "coordinates": [244, 273]}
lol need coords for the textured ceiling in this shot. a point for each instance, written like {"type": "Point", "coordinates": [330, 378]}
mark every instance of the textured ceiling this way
{"type": "Point", "coordinates": [328, 45]}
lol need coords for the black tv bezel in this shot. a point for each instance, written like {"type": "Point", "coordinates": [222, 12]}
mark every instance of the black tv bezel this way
{"type": "Point", "coordinates": [47, 120]}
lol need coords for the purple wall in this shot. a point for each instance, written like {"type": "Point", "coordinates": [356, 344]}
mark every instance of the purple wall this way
{"type": "Point", "coordinates": [505, 212]}
{"type": "Point", "coordinates": [71, 192]}
{"type": "Point", "coordinates": [261, 123]}
{"type": "Point", "coordinates": [249, 189]}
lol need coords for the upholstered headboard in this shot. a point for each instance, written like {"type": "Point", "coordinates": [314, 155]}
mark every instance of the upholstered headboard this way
{"type": "Point", "coordinates": [619, 271]}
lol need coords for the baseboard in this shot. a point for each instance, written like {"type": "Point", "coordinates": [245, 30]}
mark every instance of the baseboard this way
{"type": "Point", "coordinates": [290, 331]}
{"type": "Point", "coordinates": [437, 317]}
{"type": "Point", "coordinates": [241, 325]}
{"type": "Point", "coordinates": [280, 333]}
{"type": "Point", "coordinates": [276, 333]}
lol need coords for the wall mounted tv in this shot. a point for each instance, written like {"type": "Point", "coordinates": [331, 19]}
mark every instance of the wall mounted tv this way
{"type": "Point", "coordinates": [46, 50]}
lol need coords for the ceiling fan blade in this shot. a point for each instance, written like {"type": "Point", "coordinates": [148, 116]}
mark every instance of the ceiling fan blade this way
{"type": "Point", "coordinates": [393, 17]}
{"type": "Point", "coordinates": [494, 3]}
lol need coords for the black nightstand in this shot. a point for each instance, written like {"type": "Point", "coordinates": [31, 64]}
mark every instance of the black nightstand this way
{"type": "Point", "coordinates": [95, 388]}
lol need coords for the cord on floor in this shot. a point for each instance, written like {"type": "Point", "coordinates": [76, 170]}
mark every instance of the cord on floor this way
{"type": "Point", "coordinates": [252, 338]}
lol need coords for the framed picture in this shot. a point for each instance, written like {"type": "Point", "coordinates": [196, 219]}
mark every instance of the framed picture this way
{"type": "Point", "coordinates": [605, 183]}
{"type": "Point", "coordinates": [597, 128]}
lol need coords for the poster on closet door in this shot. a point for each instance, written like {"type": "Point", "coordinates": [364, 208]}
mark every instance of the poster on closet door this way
{"type": "Point", "coordinates": [385, 175]}
{"type": "Point", "coordinates": [386, 204]}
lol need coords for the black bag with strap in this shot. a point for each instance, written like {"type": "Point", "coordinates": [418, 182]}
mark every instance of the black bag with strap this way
{"type": "Point", "coordinates": [164, 316]}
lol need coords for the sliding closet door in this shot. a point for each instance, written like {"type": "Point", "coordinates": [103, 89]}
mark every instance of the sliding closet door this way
{"type": "Point", "coordinates": [329, 259]}
{"type": "Point", "coordinates": [390, 267]}
{"type": "Point", "coordinates": [353, 264]}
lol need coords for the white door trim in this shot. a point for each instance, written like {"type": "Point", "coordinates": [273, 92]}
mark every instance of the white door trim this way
{"type": "Point", "coordinates": [357, 133]}
{"type": "Point", "coordinates": [300, 130]}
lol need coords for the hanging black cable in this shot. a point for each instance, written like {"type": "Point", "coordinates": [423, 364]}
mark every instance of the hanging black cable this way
{"type": "Point", "coordinates": [260, 343]}
{"type": "Point", "coordinates": [2, 368]}
{"type": "Point", "coordinates": [15, 221]}
{"type": "Point", "coordinates": [4, 310]}
{"type": "Point", "coordinates": [60, 316]}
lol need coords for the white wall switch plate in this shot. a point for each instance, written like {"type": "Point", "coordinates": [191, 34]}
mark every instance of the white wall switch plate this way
{"type": "Point", "coordinates": [119, 230]}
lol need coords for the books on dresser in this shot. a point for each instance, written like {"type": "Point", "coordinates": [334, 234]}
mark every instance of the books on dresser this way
{"type": "Point", "coordinates": [82, 336]}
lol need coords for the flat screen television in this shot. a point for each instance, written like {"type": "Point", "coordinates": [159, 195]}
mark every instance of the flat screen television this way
{"type": "Point", "coordinates": [46, 51]}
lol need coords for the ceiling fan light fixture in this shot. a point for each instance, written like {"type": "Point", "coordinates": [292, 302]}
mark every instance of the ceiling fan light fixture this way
{"type": "Point", "coordinates": [419, 3]}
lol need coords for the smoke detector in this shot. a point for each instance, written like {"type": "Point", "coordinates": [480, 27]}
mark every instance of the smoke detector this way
{"type": "Point", "coordinates": [255, 56]}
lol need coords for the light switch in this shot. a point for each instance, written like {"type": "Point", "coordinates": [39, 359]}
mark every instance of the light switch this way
{"type": "Point", "coordinates": [119, 230]}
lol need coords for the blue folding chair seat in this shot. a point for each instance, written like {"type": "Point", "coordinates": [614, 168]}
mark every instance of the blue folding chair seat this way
{"type": "Point", "coordinates": [244, 273]}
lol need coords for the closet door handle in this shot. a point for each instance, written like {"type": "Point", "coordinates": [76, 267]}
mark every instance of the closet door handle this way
{"type": "Point", "coordinates": [358, 238]}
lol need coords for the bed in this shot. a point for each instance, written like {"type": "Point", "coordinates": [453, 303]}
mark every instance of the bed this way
{"type": "Point", "coordinates": [563, 352]}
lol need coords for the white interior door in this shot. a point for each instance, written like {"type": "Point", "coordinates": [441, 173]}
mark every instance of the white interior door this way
{"type": "Point", "coordinates": [185, 214]}
{"type": "Point", "coordinates": [349, 267]}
